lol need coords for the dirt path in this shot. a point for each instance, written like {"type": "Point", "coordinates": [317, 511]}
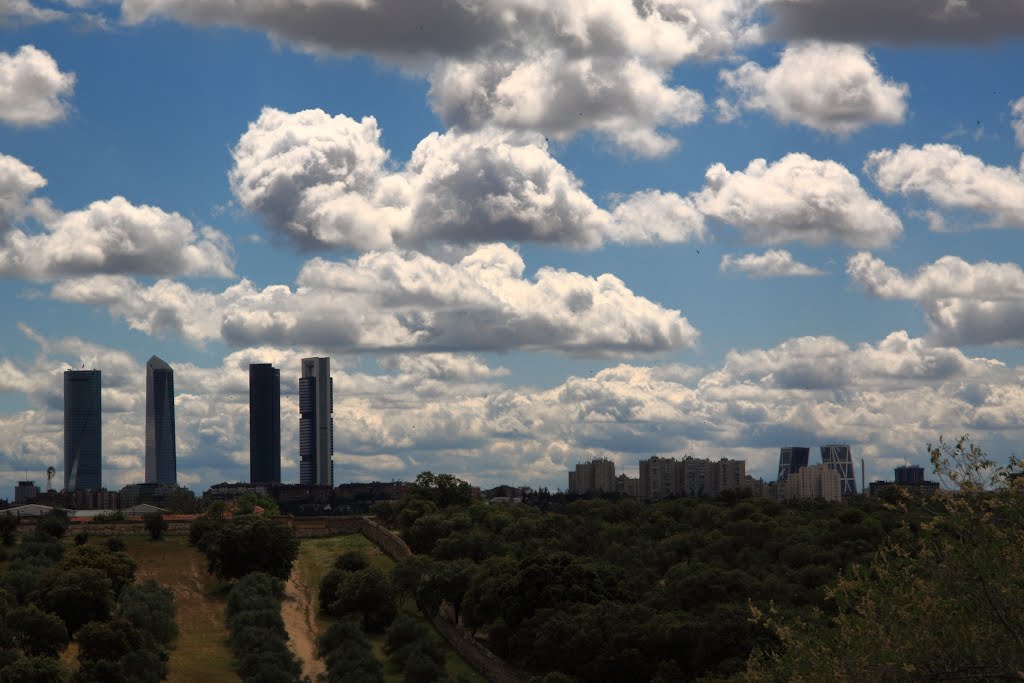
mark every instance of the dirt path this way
{"type": "Point", "coordinates": [298, 615]}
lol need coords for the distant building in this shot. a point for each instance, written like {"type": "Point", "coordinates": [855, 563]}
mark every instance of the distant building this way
{"type": "Point", "coordinates": [908, 478]}
{"type": "Point", "coordinates": [25, 491]}
{"type": "Point", "coordinates": [596, 475]}
{"type": "Point", "coordinates": [264, 423]}
{"type": "Point", "coordinates": [228, 492]}
{"type": "Point", "coordinates": [815, 481]}
{"type": "Point", "coordinates": [316, 424]}
{"type": "Point", "coordinates": [96, 499]}
{"type": "Point", "coordinates": [627, 486]}
{"type": "Point", "coordinates": [658, 478]}
{"type": "Point", "coordinates": [837, 457]}
{"type": "Point", "coordinates": [156, 494]}
{"type": "Point", "coordinates": [161, 457]}
{"type": "Point", "coordinates": [724, 475]}
{"type": "Point", "coordinates": [83, 434]}
{"type": "Point", "coordinates": [791, 459]}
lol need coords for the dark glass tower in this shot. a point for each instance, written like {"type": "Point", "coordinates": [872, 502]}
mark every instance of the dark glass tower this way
{"type": "Point", "coordinates": [838, 457]}
{"type": "Point", "coordinates": [264, 424]}
{"type": "Point", "coordinates": [161, 459]}
{"type": "Point", "coordinates": [316, 426]}
{"type": "Point", "coordinates": [83, 434]}
{"type": "Point", "coordinates": [791, 459]}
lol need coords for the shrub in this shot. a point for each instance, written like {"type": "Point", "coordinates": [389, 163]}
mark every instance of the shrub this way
{"type": "Point", "coordinates": [155, 524]}
{"type": "Point", "coordinates": [115, 545]}
{"type": "Point", "coordinates": [81, 538]}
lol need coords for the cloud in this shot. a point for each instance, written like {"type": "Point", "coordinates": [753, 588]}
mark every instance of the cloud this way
{"type": "Point", "coordinates": [326, 181]}
{"type": "Point", "coordinates": [953, 180]}
{"type": "Point", "coordinates": [24, 12]}
{"type": "Point", "coordinates": [553, 68]}
{"type": "Point", "coordinates": [797, 198]}
{"type": "Point", "coordinates": [391, 301]}
{"type": "Point", "coordinates": [964, 303]}
{"type": "Point", "coordinates": [1017, 110]}
{"type": "Point", "coordinates": [907, 22]}
{"type": "Point", "coordinates": [111, 236]}
{"type": "Point", "coordinates": [831, 88]}
{"type": "Point", "coordinates": [772, 263]}
{"type": "Point", "coordinates": [33, 89]}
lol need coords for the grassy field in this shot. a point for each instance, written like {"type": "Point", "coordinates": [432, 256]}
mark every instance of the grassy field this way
{"type": "Point", "coordinates": [200, 654]}
{"type": "Point", "coordinates": [315, 558]}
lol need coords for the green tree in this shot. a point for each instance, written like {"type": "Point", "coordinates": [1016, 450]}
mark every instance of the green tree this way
{"type": "Point", "coordinates": [8, 527]}
{"type": "Point", "coordinates": [253, 543]}
{"type": "Point", "coordinates": [78, 595]}
{"type": "Point", "coordinates": [150, 608]}
{"type": "Point", "coordinates": [54, 523]}
{"type": "Point", "coordinates": [444, 490]}
{"type": "Point", "coordinates": [33, 670]}
{"type": "Point", "coordinates": [109, 640]}
{"type": "Point", "coordinates": [37, 632]}
{"type": "Point", "coordinates": [117, 566]}
{"type": "Point", "coordinates": [155, 525]}
{"type": "Point", "coordinates": [366, 593]}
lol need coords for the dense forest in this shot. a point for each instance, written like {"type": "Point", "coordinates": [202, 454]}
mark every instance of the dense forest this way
{"type": "Point", "coordinates": [731, 588]}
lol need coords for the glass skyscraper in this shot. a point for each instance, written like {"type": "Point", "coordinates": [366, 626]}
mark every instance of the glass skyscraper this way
{"type": "Point", "coordinates": [161, 458]}
{"type": "Point", "coordinates": [264, 424]}
{"type": "Point", "coordinates": [838, 457]}
{"type": "Point", "coordinates": [791, 459]}
{"type": "Point", "coordinates": [316, 426]}
{"type": "Point", "coordinates": [83, 431]}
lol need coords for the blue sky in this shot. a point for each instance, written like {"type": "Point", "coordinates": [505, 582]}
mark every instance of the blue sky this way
{"type": "Point", "coordinates": [527, 234]}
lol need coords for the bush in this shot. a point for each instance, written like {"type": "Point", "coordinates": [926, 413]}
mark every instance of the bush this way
{"type": "Point", "coordinates": [251, 544]}
{"type": "Point", "coordinates": [155, 524]}
{"type": "Point", "coordinates": [351, 561]}
{"type": "Point", "coordinates": [150, 608]}
{"type": "Point", "coordinates": [8, 527]}
{"type": "Point", "coordinates": [257, 634]}
{"type": "Point", "coordinates": [54, 523]}
{"type": "Point", "coordinates": [33, 670]}
{"type": "Point", "coordinates": [115, 545]}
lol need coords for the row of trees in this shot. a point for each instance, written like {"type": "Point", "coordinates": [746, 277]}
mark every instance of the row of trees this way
{"type": "Point", "coordinates": [52, 593]}
{"type": "Point", "coordinates": [256, 631]}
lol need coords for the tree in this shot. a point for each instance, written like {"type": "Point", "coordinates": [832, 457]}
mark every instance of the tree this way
{"type": "Point", "coordinates": [33, 670]}
{"type": "Point", "coordinates": [446, 581]}
{"type": "Point", "coordinates": [107, 640]}
{"type": "Point", "coordinates": [444, 490]}
{"type": "Point", "coordinates": [150, 608]}
{"type": "Point", "coordinates": [938, 602]}
{"type": "Point", "coordinates": [78, 595]}
{"type": "Point", "coordinates": [155, 524]}
{"type": "Point", "coordinates": [351, 561]}
{"type": "Point", "coordinates": [252, 543]}
{"type": "Point", "coordinates": [37, 632]}
{"type": "Point", "coordinates": [366, 593]}
{"type": "Point", "coordinates": [54, 523]}
{"type": "Point", "coordinates": [117, 566]}
{"type": "Point", "coordinates": [8, 527]}
{"type": "Point", "coordinates": [115, 545]}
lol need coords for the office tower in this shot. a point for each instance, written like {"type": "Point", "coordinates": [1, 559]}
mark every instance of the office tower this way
{"type": "Point", "coordinates": [264, 424]}
{"type": "Point", "coordinates": [838, 457]}
{"type": "Point", "coordinates": [161, 461]}
{"type": "Point", "coordinates": [791, 459]}
{"type": "Point", "coordinates": [909, 475]}
{"type": "Point", "coordinates": [316, 426]}
{"type": "Point", "coordinates": [598, 475]}
{"type": "Point", "coordinates": [83, 443]}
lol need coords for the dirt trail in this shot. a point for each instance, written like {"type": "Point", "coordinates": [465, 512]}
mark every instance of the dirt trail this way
{"type": "Point", "coordinates": [297, 612]}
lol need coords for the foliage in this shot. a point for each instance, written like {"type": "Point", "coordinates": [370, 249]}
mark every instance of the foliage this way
{"type": "Point", "coordinates": [115, 545]}
{"type": "Point", "coordinates": [36, 632]}
{"type": "Point", "coordinates": [940, 601]}
{"type": "Point", "coordinates": [249, 544]}
{"type": "Point", "coordinates": [247, 502]}
{"type": "Point", "coordinates": [117, 566]}
{"type": "Point", "coordinates": [155, 525]}
{"type": "Point", "coordinates": [257, 634]}
{"type": "Point", "coordinates": [112, 517]}
{"type": "Point", "coordinates": [351, 561]}
{"type": "Point", "coordinates": [77, 595]}
{"type": "Point", "coordinates": [347, 654]}
{"type": "Point", "coordinates": [8, 528]}
{"type": "Point", "coordinates": [81, 538]}
{"type": "Point", "coordinates": [107, 640]}
{"type": "Point", "coordinates": [443, 490]}
{"type": "Point", "coordinates": [408, 638]}
{"type": "Point", "coordinates": [150, 608]}
{"type": "Point", "coordinates": [54, 523]}
{"type": "Point", "coordinates": [33, 670]}
{"type": "Point", "coordinates": [366, 593]}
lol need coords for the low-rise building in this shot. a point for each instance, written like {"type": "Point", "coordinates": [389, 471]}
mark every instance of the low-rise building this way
{"type": "Point", "coordinates": [815, 481]}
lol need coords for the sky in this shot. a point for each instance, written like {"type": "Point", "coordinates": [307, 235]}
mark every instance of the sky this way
{"type": "Point", "coordinates": [526, 233]}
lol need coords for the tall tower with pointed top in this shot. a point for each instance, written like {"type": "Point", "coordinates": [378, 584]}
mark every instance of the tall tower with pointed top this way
{"type": "Point", "coordinates": [161, 458]}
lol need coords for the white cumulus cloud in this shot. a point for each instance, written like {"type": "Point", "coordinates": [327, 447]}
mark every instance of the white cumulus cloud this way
{"type": "Point", "coordinates": [952, 180]}
{"type": "Point", "coordinates": [797, 198]}
{"type": "Point", "coordinates": [772, 263]}
{"type": "Point", "coordinates": [326, 180]}
{"type": "Point", "coordinates": [834, 88]}
{"type": "Point", "coordinates": [1017, 111]}
{"type": "Point", "coordinates": [33, 89]}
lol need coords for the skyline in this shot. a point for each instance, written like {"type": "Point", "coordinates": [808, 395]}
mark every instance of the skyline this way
{"type": "Point", "coordinates": [526, 235]}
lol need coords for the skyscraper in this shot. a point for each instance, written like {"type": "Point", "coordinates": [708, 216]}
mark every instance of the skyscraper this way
{"type": "Point", "coordinates": [83, 436]}
{"type": "Point", "coordinates": [264, 424]}
{"type": "Point", "coordinates": [161, 459]}
{"type": "Point", "coordinates": [791, 459]}
{"type": "Point", "coordinates": [838, 457]}
{"type": "Point", "coordinates": [316, 426]}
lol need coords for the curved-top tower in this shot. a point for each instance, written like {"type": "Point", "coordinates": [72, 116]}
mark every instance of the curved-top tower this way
{"type": "Point", "coordinates": [161, 459]}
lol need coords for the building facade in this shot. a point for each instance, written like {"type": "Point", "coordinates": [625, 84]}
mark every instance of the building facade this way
{"type": "Point", "coordinates": [909, 475]}
{"type": "Point", "coordinates": [837, 457]}
{"type": "Point", "coordinates": [815, 481]}
{"type": "Point", "coordinates": [596, 475]}
{"type": "Point", "coordinates": [25, 491]}
{"type": "Point", "coordinates": [161, 456]}
{"type": "Point", "coordinates": [658, 478]}
{"type": "Point", "coordinates": [83, 431]}
{"type": "Point", "coordinates": [627, 486]}
{"type": "Point", "coordinates": [791, 459]}
{"type": "Point", "coordinates": [264, 424]}
{"type": "Point", "coordinates": [316, 424]}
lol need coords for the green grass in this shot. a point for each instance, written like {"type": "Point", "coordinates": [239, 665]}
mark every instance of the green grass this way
{"type": "Point", "coordinates": [200, 653]}
{"type": "Point", "coordinates": [316, 556]}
